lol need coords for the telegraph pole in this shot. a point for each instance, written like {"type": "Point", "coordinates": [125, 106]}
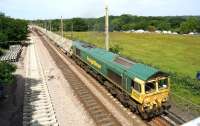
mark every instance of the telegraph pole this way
{"type": "Point", "coordinates": [46, 25]}
{"type": "Point", "coordinates": [72, 29]}
{"type": "Point", "coordinates": [106, 26]}
{"type": "Point", "coordinates": [61, 27]}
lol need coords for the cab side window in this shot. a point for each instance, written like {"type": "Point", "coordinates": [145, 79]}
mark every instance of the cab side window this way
{"type": "Point", "coordinates": [136, 86]}
{"type": "Point", "coordinates": [163, 83]}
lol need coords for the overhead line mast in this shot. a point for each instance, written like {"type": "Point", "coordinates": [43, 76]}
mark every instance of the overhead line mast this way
{"type": "Point", "coordinates": [61, 27]}
{"type": "Point", "coordinates": [45, 25]}
{"type": "Point", "coordinates": [50, 26]}
{"type": "Point", "coordinates": [106, 26]}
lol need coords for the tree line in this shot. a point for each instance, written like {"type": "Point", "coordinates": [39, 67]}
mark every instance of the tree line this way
{"type": "Point", "coordinates": [12, 30]}
{"type": "Point", "coordinates": [125, 22]}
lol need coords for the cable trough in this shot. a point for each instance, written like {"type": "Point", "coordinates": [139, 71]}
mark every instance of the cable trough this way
{"type": "Point", "coordinates": [13, 54]}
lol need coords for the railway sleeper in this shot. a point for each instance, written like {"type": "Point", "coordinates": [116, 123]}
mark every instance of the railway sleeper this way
{"type": "Point", "coordinates": [94, 108]}
{"type": "Point", "coordinates": [106, 120]}
{"type": "Point", "coordinates": [97, 111]}
{"type": "Point", "coordinates": [91, 103]}
{"type": "Point", "coordinates": [102, 116]}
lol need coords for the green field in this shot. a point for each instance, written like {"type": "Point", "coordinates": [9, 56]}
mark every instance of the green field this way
{"type": "Point", "coordinates": [172, 53]}
{"type": "Point", "coordinates": [175, 53]}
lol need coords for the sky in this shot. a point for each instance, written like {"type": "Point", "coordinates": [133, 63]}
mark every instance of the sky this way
{"type": "Point", "coordinates": [51, 9]}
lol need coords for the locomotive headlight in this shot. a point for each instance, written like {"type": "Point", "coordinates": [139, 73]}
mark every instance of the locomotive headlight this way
{"type": "Point", "coordinates": [146, 100]}
{"type": "Point", "coordinates": [164, 99]}
{"type": "Point", "coordinates": [147, 104]}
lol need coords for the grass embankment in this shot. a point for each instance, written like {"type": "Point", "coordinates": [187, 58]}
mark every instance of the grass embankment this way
{"type": "Point", "coordinates": [172, 53]}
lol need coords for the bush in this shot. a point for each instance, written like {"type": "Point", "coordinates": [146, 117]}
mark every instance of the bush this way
{"type": "Point", "coordinates": [151, 28]}
{"type": "Point", "coordinates": [6, 70]}
{"type": "Point", "coordinates": [115, 49]}
{"type": "Point", "coordinates": [186, 82]}
{"type": "Point", "coordinates": [1, 52]}
{"type": "Point", "coordinates": [190, 25]}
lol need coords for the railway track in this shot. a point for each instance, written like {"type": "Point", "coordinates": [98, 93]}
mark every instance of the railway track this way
{"type": "Point", "coordinates": [38, 108]}
{"type": "Point", "coordinates": [95, 108]}
{"type": "Point", "coordinates": [173, 117]}
{"type": "Point", "coordinates": [158, 121]}
{"type": "Point", "coordinates": [168, 119]}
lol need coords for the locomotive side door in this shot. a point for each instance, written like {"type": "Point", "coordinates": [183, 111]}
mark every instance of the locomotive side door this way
{"type": "Point", "coordinates": [136, 90]}
{"type": "Point", "coordinates": [126, 83]}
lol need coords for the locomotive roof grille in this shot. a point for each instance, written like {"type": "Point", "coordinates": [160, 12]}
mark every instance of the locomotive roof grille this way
{"type": "Point", "coordinates": [124, 62]}
{"type": "Point", "coordinates": [86, 45]}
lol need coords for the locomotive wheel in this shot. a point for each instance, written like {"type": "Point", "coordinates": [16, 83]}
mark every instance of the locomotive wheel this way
{"type": "Point", "coordinates": [87, 69]}
{"type": "Point", "coordinates": [144, 115]}
{"type": "Point", "coordinates": [133, 109]}
{"type": "Point", "coordinates": [100, 79]}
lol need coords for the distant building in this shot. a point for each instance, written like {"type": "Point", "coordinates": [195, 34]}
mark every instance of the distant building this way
{"type": "Point", "coordinates": [147, 32]}
{"type": "Point", "coordinates": [175, 33]}
{"type": "Point", "coordinates": [158, 31]}
{"type": "Point", "coordinates": [127, 31]}
{"type": "Point", "coordinates": [169, 32]}
{"type": "Point", "coordinates": [191, 33]}
{"type": "Point", "coordinates": [132, 30]}
{"type": "Point", "coordinates": [139, 31]}
{"type": "Point", "coordinates": [165, 32]}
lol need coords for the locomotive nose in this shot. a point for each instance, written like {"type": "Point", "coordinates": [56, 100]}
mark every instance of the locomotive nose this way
{"type": "Point", "coordinates": [154, 101]}
{"type": "Point", "coordinates": [154, 108]}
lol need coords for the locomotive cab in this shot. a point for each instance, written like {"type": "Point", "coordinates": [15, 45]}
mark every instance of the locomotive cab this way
{"type": "Point", "coordinates": [156, 95]}
{"type": "Point", "coordinates": [152, 95]}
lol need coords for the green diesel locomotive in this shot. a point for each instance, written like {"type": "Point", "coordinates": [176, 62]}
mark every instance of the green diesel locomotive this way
{"type": "Point", "coordinates": [141, 88]}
